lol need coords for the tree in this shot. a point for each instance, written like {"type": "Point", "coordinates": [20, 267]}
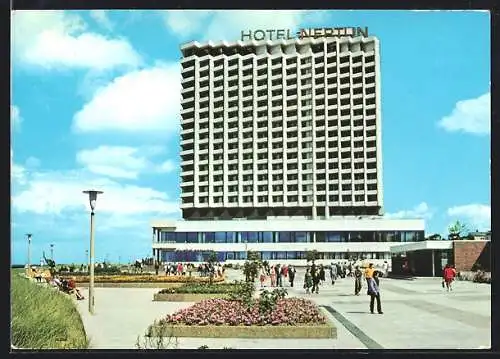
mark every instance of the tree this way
{"type": "Point", "coordinates": [435, 237]}
{"type": "Point", "coordinates": [456, 230]}
{"type": "Point", "coordinates": [311, 256]}
{"type": "Point", "coordinates": [253, 256]}
{"type": "Point", "coordinates": [251, 266]}
{"type": "Point", "coordinates": [212, 257]}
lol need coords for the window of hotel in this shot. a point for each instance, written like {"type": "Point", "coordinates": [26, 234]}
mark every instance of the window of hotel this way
{"type": "Point", "coordinates": [249, 237]}
{"type": "Point", "coordinates": [210, 237]}
{"type": "Point", "coordinates": [231, 237]}
{"type": "Point", "coordinates": [333, 237]}
{"type": "Point", "coordinates": [266, 237]}
{"type": "Point", "coordinates": [302, 237]}
{"type": "Point", "coordinates": [181, 237]}
{"type": "Point", "coordinates": [281, 255]}
{"type": "Point", "coordinates": [192, 237]}
{"type": "Point", "coordinates": [220, 237]}
{"type": "Point", "coordinates": [284, 237]}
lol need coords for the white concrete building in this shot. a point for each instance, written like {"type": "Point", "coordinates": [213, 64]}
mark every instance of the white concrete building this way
{"type": "Point", "coordinates": [285, 136]}
{"type": "Point", "coordinates": [280, 240]}
{"type": "Point", "coordinates": [281, 128]}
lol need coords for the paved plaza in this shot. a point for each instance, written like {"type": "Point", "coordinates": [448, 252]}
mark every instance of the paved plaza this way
{"type": "Point", "coordinates": [418, 314]}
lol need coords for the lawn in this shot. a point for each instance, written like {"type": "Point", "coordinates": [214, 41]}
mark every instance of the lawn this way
{"type": "Point", "coordinates": [42, 318]}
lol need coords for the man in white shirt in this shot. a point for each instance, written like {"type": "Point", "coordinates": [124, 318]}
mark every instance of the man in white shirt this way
{"type": "Point", "coordinates": [385, 268]}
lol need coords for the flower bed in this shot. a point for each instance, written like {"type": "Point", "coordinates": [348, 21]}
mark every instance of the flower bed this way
{"type": "Point", "coordinates": [222, 318]}
{"type": "Point", "coordinates": [193, 292]}
{"type": "Point", "coordinates": [147, 279]}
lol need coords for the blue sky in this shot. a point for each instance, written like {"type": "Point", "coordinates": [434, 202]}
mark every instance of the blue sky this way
{"type": "Point", "coordinates": [95, 99]}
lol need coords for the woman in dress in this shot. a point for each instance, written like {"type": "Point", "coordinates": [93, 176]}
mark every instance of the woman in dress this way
{"type": "Point", "coordinates": [262, 277]}
{"type": "Point", "coordinates": [273, 277]}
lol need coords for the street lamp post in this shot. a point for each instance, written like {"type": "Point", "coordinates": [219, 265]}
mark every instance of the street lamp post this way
{"type": "Point", "coordinates": [29, 235]}
{"type": "Point", "coordinates": [52, 251]}
{"type": "Point", "coordinates": [87, 259]}
{"type": "Point", "coordinates": [92, 200]}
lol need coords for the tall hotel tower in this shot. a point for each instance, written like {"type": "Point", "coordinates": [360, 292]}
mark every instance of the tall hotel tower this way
{"type": "Point", "coordinates": [284, 136]}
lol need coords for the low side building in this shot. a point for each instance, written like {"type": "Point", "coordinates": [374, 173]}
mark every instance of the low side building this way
{"type": "Point", "coordinates": [428, 258]}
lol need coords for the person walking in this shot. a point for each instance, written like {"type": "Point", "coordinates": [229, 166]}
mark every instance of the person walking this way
{"type": "Point", "coordinates": [262, 277]}
{"type": "Point", "coordinates": [448, 276]}
{"type": "Point", "coordinates": [357, 280]}
{"type": "Point", "coordinates": [321, 273]}
{"type": "Point", "coordinates": [385, 269]}
{"type": "Point", "coordinates": [339, 270]}
{"type": "Point", "coordinates": [308, 283]}
{"type": "Point", "coordinates": [315, 275]}
{"type": "Point", "coordinates": [279, 276]}
{"type": "Point", "coordinates": [369, 271]}
{"type": "Point", "coordinates": [291, 275]}
{"type": "Point", "coordinates": [333, 273]}
{"type": "Point", "coordinates": [374, 293]}
{"type": "Point", "coordinates": [273, 276]}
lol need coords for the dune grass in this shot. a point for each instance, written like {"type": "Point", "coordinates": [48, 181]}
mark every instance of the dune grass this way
{"type": "Point", "coordinates": [42, 318]}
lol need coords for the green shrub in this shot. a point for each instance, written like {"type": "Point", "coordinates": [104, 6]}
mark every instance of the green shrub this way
{"type": "Point", "coordinates": [244, 294]}
{"type": "Point", "coordinates": [269, 300]}
{"type": "Point", "coordinates": [204, 288]}
{"type": "Point", "coordinates": [43, 318]}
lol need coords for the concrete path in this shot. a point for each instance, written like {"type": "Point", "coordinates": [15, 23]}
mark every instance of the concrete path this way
{"type": "Point", "coordinates": [418, 314]}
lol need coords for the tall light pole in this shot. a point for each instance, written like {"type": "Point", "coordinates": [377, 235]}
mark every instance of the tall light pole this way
{"type": "Point", "coordinates": [28, 236]}
{"type": "Point", "coordinates": [87, 258]}
{"type": "Point", "coordinates": [92, 200]}
{"type": "Point", "coordinates": [52, 251]}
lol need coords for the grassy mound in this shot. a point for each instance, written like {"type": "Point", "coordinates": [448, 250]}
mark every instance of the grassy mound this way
{"type": "Point", "coordinates": [43, 318]}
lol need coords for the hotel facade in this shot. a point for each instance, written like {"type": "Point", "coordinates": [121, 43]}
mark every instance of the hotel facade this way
{"type": "Point", "coordinates": [281, 153]}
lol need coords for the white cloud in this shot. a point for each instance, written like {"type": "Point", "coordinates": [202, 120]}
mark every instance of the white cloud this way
{"type": "Point", "coordinates": [122, 161]}
{"type": "Point", "coordinates": [60, 193]}
{"type": "Point", "coordinates": [227, 24]}
{"type": "Point", "coordinates": [420, 211]}
{"type": "Point", "coordinates": [15, 117]}
{"type": "Point", "coordinates": [167, 166]}
{"type": "Point", "coordinates": [56, 39]}
{"type": "Point", "coordinates": [186, 22]}
{"type": "Point", "coordinates": [472, 116]}
{"type": "Point", "coordinates": [144, 100]}
{"type": "Point", "coordinates": [17, 172]}
{"type": "Point", "coordinates": [476, 216]}
{"type": "Point", "coordinates": [101, 18]}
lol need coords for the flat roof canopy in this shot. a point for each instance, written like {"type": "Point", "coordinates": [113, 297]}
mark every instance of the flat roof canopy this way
{"type": "Point", "coordinates": [278, 225]}
{"type": "Point", "coordinates": [420, 246]}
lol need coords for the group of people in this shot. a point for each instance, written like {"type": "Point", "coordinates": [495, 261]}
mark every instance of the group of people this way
{"type": "Point", "coordinates": [275, 275]}
{"type": "Point", "coordinates": [67, 286]}
{"type": "Point", "coordinates": [181, 269]}
{"type": "Point", "coordinates": [315, 276]}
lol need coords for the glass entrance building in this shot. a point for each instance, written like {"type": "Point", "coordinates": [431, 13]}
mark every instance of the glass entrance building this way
{"type": "Point", "coordinates": [282, 240]}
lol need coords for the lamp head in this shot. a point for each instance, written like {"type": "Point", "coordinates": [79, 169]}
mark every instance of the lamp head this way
{"type": "Point", "coordinates": [29, 235]}
{"type": "Point", "coordinates": [92, 197]}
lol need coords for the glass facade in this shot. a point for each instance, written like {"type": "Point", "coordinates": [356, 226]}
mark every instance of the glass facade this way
{"type": "Point", "coordinates": [200, 256]}
{"type": "Point", "coordinates": [282, 237]}
{"type": "Point", "coordinates": [291, 237]}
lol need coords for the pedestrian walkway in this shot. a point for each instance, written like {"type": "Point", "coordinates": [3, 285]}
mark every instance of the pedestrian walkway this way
{"type": "Point", "coordinates": [418, 314]}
